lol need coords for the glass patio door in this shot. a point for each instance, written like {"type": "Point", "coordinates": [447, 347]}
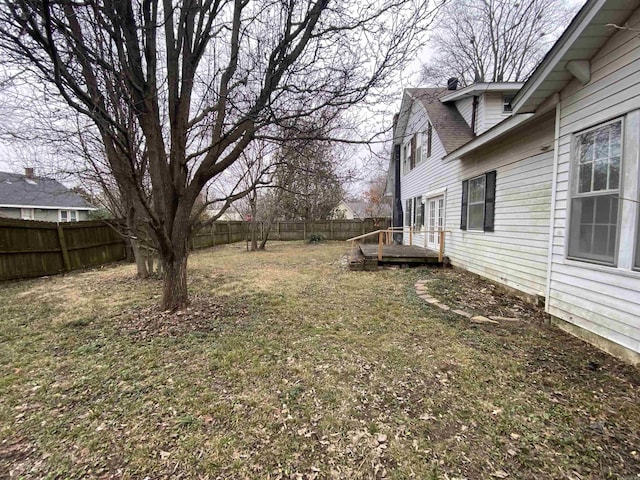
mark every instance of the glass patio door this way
{"type": "Point", "coordinates": [435, 221]}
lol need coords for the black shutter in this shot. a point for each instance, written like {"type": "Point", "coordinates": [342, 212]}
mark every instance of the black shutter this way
{"type": "Point", "coordinates": [463, 214]}
{"type": "Point", "coordinates": [489, 201]}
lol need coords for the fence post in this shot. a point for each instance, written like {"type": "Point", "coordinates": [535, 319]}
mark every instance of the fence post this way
{"type": "Point", "coordinates": [63, 248]}
{"type": "Point", "coordinates": [228, 232]}
{"type": "Point", "coordinates": [331, 229]}
{"type": "Point", "coordinates": [304, 230]}
{"type": "Point", "coordinates": [278, 226]}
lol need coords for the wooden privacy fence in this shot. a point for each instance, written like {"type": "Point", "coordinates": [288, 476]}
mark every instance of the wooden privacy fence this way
{"type": "Point", "coordinates": [33, 249]}
{"type": "Point", "coordinates": [228, 232]}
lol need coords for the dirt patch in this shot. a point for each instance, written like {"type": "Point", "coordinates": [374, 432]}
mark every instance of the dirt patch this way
{"type": "Point", "coordinates": [204, 315]}
{"type": "Point", "coordinates": [463, 290]}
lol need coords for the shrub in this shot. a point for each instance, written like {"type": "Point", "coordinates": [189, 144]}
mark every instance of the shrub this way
{"type": "Point", "coordinates": [316, 238]}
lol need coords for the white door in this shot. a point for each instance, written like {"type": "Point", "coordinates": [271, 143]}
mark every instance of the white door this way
{"type": "Point", "coordinates": [435, 221]}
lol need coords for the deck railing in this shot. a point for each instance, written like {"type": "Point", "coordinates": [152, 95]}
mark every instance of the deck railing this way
{"type": "Point", "coordinates": [385, 237]}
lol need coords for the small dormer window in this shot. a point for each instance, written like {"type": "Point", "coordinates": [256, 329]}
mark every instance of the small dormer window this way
{"type": "Point", "coordinates": [506, 103]}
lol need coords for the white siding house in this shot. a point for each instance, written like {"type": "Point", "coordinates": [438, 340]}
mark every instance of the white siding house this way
{"type": "Point", "coordinates": [594, 268]}
{"type": "Point", "coordinates": [538, 184]}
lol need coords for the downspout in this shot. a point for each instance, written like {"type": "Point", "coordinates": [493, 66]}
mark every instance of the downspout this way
{"type": "Point", "coordinates": [397, 200]}
{"type": "Point", "coordinates": [474, 109]}
{"type": "Point", "coordinates": [552, 213]}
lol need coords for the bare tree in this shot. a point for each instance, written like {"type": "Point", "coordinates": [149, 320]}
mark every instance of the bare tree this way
{"type": "Point", "coordinates": [493, 40]}
{"type": "Point", "coordinates": [201, 79]}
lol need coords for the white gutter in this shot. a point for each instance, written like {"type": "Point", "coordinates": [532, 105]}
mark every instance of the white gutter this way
{"type": "Point", "coordinates": [47, 207]}
{"type": "Point", "coordinates": [495, 132]}
{"type": "Point", "coordinates": [552, 216]}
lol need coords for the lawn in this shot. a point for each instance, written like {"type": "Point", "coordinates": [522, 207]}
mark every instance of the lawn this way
{"type": "Point", "coordinates": [290, 366]}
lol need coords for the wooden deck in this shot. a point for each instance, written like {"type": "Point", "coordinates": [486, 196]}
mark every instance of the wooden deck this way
{"type": "Point", "coordinates": [399, 254]}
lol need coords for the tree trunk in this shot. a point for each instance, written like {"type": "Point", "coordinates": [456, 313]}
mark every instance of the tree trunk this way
{"type": "Point", "coordinates": [143, 272]}
{"type": "Point", "coordinates": [265, 235]}
{"type": "Point", "coordinates": [133, 230]}
{"type": "Point", "coordinates": [174, 292]}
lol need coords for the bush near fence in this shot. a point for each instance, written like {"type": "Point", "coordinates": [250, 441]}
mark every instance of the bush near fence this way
{"type": "Point", "coordinates": [33, 249]}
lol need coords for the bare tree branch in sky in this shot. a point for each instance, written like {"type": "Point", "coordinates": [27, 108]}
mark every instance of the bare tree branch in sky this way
{"type": "Point", "coordinates": [493, 40]}
{"type": "Point", "coordinates": [200, 80]}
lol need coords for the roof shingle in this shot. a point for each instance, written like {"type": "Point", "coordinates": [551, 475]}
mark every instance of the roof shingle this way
{"type": "Point", "coordinates": [17, 189]}
{"type": "Point", "coordinates": [450, 126]}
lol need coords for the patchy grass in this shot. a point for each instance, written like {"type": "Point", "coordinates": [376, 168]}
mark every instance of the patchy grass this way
{"type": "Point", "coordinates": [289, 366]}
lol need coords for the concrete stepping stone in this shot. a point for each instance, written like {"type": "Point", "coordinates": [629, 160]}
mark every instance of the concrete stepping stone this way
{"type": "Point", "coordinates": [482, 319]}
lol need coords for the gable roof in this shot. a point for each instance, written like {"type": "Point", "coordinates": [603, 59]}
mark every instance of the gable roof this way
{"type": "Point", "coordinates": [586, 34]}
{"type": "Point", "coordinates": [41, 192]}
{"type": "Point", "coordinates": [450, 126]}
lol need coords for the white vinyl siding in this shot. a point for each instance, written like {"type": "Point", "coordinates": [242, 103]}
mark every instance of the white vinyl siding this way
{"type": "Point", "coordinates": [601, 299]}
{"type": "Point", "coordinates": [490, 111]}
{"type": "Point", "coordinates": [465, 107]}
{"type": "Point", "coordinates": [516, 253]}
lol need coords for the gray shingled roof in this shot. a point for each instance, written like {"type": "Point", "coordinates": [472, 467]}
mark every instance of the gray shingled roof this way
{"type": "Point", "coordinates": [451, 128]}
{"type": "Point", "coordinates": [17, 189]}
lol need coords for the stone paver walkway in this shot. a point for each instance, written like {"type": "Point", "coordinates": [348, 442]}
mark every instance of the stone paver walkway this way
{"type": "Point", "coordinates": [421, 291]}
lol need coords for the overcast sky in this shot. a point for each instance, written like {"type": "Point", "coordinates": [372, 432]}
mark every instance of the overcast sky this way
{"type": "Point", "coordinates": [15, 160]}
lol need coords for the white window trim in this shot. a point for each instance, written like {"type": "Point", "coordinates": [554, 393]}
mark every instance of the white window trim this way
{"type": "Point", "coordinates": [624, 182]}
{"type": "Point", "coordinates": [30, 216]}
{"type": "Point", "coordinates": [69, 220]}
{"type": "Point", "coordinates": [484, 197]}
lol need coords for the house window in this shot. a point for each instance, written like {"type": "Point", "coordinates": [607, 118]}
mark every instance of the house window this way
{"type": "Point", "coordinates": [506, 103]}
{"type": "Point", "coordinates": [407, 158]}
{"type": "Point", "coordinates": [596, 164]}
{"type": "Point", "coordinates": [68, 216]}
{"type": "Point", "coordinates": [419, 147]}
{"type": "Point", "coordinates": [419, 213]}
{"type": "Point", "coordinates": [478, 202]}
{"type": "Point", "coordinates": [429, 138]}
{"type": "Point", "coordinates": [475, 212]}
{"type": "Point", "coordinates": [412, 154]}
{"type": "Point", "coordinates": [27, 214]}
{"type": "Point", "coordinates": [407, 212]}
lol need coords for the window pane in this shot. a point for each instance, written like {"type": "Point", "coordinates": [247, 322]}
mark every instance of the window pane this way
{"type": "Point", "coordinates": [476, 216]}
{"type": "Point", "coordinates": [73, 215]}
{"type": "Point", "coordinates": [602, 143]}
{"type": "Point", "coordinates": [614, 173]}
{"type": "Point", "coordinates": [586, 239]}
{"type": "Point", "coordinates": [601, 239]}
{"type": "Point", "coordinates": [586, 148]}
{"type": "Point", "coordinates": [600, 175]}
{"type": "Point", "coordinates": [584, 181]}
{"type": "Point", "coordinates": [476, 190]}
{"type": "Point", "coordinates": [593, 227]}
{"type": "Point", "coordinates": [63, 215]}
{"type": "Point", "coordinates": [603, 210]}
{"type": "Point", "coordinates": [587, 207]}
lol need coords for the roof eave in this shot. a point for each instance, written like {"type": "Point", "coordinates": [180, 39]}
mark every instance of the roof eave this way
{"type": "Point", "coordinates": [523, 101]}
{"type": "Point", "coordinates": [478, 88]}
{"type": "Point", "coordinates": [45, 207]}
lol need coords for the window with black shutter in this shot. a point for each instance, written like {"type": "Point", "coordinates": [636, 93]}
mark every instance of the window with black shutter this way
{"type": "Point", "coordinates": [478, 203]}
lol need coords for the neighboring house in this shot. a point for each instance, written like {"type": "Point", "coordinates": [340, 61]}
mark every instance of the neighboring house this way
{"type": "Point", "coordinates": [228, 216]}
{"type": "Point", "coordinates": [39, 198]}
{"type": "Point", "coordinates": [360, 210]}
{"type": "Point", "coordinates": [543, 196]}
{"type": "Point", "coordinates": [349, 210]}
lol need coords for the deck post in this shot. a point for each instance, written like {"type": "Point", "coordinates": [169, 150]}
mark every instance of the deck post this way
{"type": "Point", "coordinates": [441, 252]}
{"type": "Point", "coordinates": [380, 238]}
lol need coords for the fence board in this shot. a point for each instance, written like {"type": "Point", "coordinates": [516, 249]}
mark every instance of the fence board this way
{"type": "Point", "coordinates": [30, 248]}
